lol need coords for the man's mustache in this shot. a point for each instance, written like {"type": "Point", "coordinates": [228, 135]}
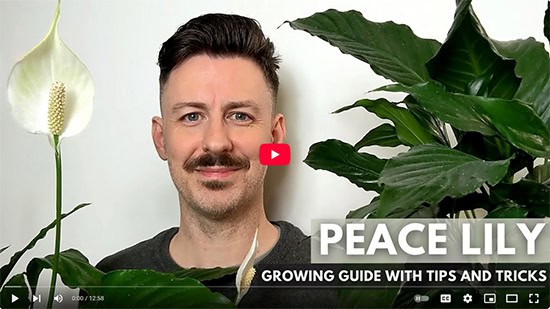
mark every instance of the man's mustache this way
{"type": "Point", "coordinates": [222, 160]}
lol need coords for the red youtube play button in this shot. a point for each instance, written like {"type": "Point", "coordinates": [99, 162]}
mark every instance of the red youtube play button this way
{"type": "Point", "coordinates": [274, 154]}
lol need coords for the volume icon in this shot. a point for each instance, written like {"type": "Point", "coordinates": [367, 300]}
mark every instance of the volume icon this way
{"type": "Point", "coordinates": [58, 298]}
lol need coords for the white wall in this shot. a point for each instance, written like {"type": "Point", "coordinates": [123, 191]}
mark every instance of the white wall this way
{"type": "Point", "coordinates": [113, 163]}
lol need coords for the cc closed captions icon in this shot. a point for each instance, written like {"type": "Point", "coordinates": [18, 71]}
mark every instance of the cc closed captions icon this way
{"type": "Point", "coordinates": [274, 154]}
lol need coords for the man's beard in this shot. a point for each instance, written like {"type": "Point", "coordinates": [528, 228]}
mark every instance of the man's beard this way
{"type": "Point", "coordinates": [199, 201]}
{"type": "Point", "coordinates": [222, 209]}
{"type": "Point", "coordinates": [215, 185]}
{"type": "Point", "coordinates": [216, 212]}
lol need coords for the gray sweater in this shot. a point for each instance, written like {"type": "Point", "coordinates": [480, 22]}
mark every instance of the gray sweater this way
{"type": "Point", "coordinates": [292, 248]}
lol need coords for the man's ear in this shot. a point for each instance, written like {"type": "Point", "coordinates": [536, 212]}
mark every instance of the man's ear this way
{"type": "Point", "coordinates": [278, 131]}
{"type": "Point", "coordinates": [158, 137]}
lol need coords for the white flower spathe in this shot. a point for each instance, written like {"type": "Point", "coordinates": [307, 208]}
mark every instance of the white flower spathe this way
{"type": "Point", "coordinates": [32, 78]}
{"type": "Point", "coordinates": [246, 270]}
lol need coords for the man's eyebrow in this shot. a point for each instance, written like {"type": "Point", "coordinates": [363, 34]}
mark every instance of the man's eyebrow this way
{"type": "Point", "coordinates": [181, 105]}
{"type": "Point", "coordinates": [240, 104]}
{"type": "Point", "coordinates": [229, 106]}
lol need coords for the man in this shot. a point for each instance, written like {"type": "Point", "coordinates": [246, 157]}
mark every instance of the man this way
{"type": "Point", "coordinates": [218, 90]}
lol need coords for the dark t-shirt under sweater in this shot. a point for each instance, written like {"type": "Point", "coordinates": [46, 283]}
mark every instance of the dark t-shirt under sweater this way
{"type": "Point", "coordinates": [293, 247]}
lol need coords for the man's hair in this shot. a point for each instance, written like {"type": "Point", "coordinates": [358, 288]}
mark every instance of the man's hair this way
{"type": "Point", "coordinates": [220, 35]}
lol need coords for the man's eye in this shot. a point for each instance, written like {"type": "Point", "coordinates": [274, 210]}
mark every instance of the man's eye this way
{"type": "Point", "coordinates": [240, 117]}
{"type": "Point", "coordinates": [191, 117]}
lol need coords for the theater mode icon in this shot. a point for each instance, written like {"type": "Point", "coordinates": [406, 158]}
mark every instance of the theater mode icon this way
{"type": "Point", "coordinates": [274, 154]}
{"type": "Point", "coordinates": [511, 298]}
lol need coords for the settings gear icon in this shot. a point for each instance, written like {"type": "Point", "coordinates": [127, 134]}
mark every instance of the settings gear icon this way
{"type": "Point", "coordinates": [467, 298]}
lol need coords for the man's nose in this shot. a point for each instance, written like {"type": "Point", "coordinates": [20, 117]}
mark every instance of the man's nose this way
{"type": "Point", "coordinates": [216, 138]}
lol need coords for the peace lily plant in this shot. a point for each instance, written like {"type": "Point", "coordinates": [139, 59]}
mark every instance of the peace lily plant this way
{"type": "Point", "coordinates": [475, 122]}
{"type": "Point", "coordinates": [50, 91]}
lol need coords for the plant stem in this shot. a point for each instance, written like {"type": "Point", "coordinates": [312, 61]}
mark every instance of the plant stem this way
{"type": "Point", "coordinates": [544, 175]}
{"type": "Point", "coordinates": [58, 200]}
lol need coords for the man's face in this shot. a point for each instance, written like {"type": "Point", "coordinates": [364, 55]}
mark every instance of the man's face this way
{"type": "Point", "coordinates": [216, 114]}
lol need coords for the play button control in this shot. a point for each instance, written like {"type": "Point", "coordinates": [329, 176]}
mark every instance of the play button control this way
{"type": "Point", "coordinates": [274, 154]}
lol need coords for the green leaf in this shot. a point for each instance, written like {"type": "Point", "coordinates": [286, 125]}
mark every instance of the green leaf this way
{"type": "Point", "coordinates": [151, 289]}
{"type": "Point", "coordinates": [203, 274]}
{"type": "Point", "coordinates": [433, 125]}
{"type": "Point", "coordinates": [533, 66]}
{"type": "Point", "coordinates": [494, 148]}
{"type": "Point", "coordinates": [518, 124]}
{"type": "Point", "coordinates": [531, 194]}
{"type": "Point", "coordinates": [74, 269]}
{"type": "Point", "coordinates": [371, 209]}
{"type": "Point", "coordinates": [428, 173]}
{"type": "Point", "coordinates": [512, 120]}
{"type": "Point", "coordinates": [383, 135]}
{"type": "Point", "coordinates": [392, 50]}
{"type": "Point", "coordinates": [484, 147]}
{"type": "Point", "coordinates": [420, 212]}
{"type": "Point", "coordinates": [466, 62]}
{"type": "Point", "coordinates": [547, 22]}
{"type": "Point", "coordinates": [508, 211]}
{"type": "Point", "coordinates": [409, 131]}
{"type": "Point", "coordinates": [17, 287]}
{"type": "Point", "coordinates": [335, 156]}
{"type": "Point", "coordinates": [135, 288]}
{"type": "Point", "coordinates": [362, 212]}
{"type": "Point", "coordinates": [6, 269]}
{"type": "Point", "coordinates": [462, 112]}
{"type": "Point", "coordinates": [4, 249]}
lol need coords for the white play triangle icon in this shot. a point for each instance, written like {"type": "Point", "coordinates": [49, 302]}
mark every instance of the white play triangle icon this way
{"type": "Point", "coordinates": [274, 154]}
{"type": "Point", "coordinates": [14, 298]}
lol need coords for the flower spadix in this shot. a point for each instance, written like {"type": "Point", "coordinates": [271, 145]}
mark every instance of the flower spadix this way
{"type": "Point", "coordinates": [246, 270]}
{"type": "Point", "coordinates": [50, 91]}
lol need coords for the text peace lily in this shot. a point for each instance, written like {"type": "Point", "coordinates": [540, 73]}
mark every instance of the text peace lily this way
{"type": "Point", "coordinates": [416, 239]}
